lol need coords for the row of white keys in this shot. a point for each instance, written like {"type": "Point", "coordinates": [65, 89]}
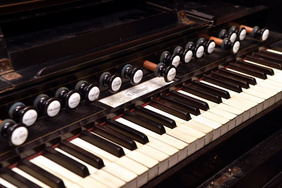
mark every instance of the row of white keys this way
{"type": "Point", "coordinates": [176, 150]}
{"type": "Point", "coordinates": [213, 118]}
{"type": "Point", "coordinates": [269, 89]}
{"type": "Point", "coordinates": [191, 132]}
{"type": "Point", "coordinates": [127, 177]}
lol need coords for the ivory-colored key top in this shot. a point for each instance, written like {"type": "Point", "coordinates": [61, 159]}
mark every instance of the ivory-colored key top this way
{"type": "Point", "coordinates": [215, 125]}
{"type": "Point", "coordinates": [182, 135]}
{"type": "Point", "coordinates": [107, 179]}
{"type": "Point", "coordinates": [90, 182]}
{"type": "Point", "coordinates": [151, 163]}
{"type": "Point", "coordinates": [170, 151]}
{"type": "Point", "coordinates": [67, 176]}
{"type": "Point", "coordinates": [6, 183]}
{"type": "Point", "coordinates": [243, 106]}
{"type": "Point", "coordinates": [140, 170]}
{"type": "Point", "coordinates": [232, 117]}
{"type": "Point", "coordinates": [208, 131]}
{"type": "Point", "coordinates": [237, 112]}
{"type": "Point", "coordinates": [157, 155]}
{"type": "Point", "coordinates": [190, 132]}
{"type": "Point", "coordinates": [181, 146]}
{"type": "Point", "coordinates": [129, 177]}
{"type": "Point", "coordinates": [29, 177]}
{"type": "Point", "coordinates": [222, 120]}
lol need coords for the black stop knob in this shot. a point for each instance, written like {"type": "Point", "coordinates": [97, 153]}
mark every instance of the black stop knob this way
{"type": "Point", "coordinates": [134, 74]}
{"type": "Point", "coordinates": [49, 107]}
{"type": "Point", "coordinates": [88, 91]}
{"type": "Point", "coordinates": [22, 113]}
{"type": "Point", "coordinates": [16, 133]}
{"type": "Point", "coordinates": [69, 98]}
{"type": "Point", "coordinates": [113, 82]}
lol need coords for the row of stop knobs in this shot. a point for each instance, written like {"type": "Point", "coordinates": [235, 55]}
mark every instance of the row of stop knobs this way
{"type": "Point", "coordinates": [17, 133]}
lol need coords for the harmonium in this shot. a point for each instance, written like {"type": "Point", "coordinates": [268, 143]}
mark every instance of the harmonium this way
{"type": "Point", "coordinates": [157, 93]}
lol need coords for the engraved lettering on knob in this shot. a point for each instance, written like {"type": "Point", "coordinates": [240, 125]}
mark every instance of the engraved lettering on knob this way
{"type": "Point", "coordinates": [235, 47]}
{"type": "Point", "coordinates": [200, 52]}
{"type": "Point", "coordinates": [50, 107]}
{"type": "Point", "coordinates": [233, 37]}
{"type": "Point", "coordinates": [211, 47]}
{"type": "Point", "coordinates": [265, 35]}
{"type": "Point", "coordinates": [137, 77]}
{"type": "Point", "coordinates": [29, 117]}
{"type": "Point", "coordinates": [74, 100]}
{"type": "Point", "coordinates": [19, 136]}
{"type": "Point", "coordinates": [53, 108]}
{"type": "Point", "coordinates": [188, 56]}
{"type": "Point", "coordinates": [242, 34]}
{"type": "Point", "coordinates": [171, 74]}
{"type": "Point", "coordinates": [93, 93]}
{"type": "Point", "coordinates": [176, 61]}
{"type": "Point", "coordinates": [116, 84]}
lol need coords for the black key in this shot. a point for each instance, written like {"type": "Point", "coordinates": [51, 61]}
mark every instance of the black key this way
{"type": "Point", "coordinates": [256, 67]}
{"type": "Point", "coordinates": [16, 179]}
{"type": "Point", "coordinates": [155, 116]}
{"type": "Point", "coordinates": [144, 122]}
{"type": "Point", "coordinates": [189, 100]}
{"type": "Point", "coordinates": [115, 137]}
{"type": "Point", "coordinates": [66, 162]}
{"type": "Point", "coordinates": [264, 51]}
{"type": "Point", "coordinates": [102, 143]}
{"type": "Point", "coordinates": [40, 174]}
{"type": "Point", "coordinates": [221, 83]}
{"type": "Point", "coordinates": [242, 69]}
{"type": "Point", "coordinates": [219, 76]}
{"type": "Point", "coordinates": [264, 62]}
{"type": "Point", "coordinates": [179, 104]}
{"type": "Point", "coordinates": [216, 91]}
{"type": "Point", "coordinates": [235, 75]}
{"type": "Point", "coordinates": [171, 110]}
{"type": "Point", "coordinates": [268, 56]}
{"type": "Point", "coordinates": [81, 154]}
{"type": "Point", "coordinates": [128, 131]}
{"type": "Point", "coordinates": [203, 94]}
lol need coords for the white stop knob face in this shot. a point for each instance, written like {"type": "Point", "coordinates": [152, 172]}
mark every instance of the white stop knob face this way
{"type": "Point", "coordinates": [116, 84]}
{"type": "Point", "coordinates": [243, 34]}
{"type": "Point", "coordinates": [265, 35]}
{"type": "Point", "coordinates": [29, 117]}
{"type": "Point", "coordinates": [200, 52]}
{"type": "Point", "coordinates": [93, 94]}
{"type": "Point", "coordinates": [176, 61]}
{"type": "Point", "coordinates": [137, 77]}
{"type": "Point", "coordinates": [211, 47]}
{"type": "Point", "coordinates": [74, 100]}
{"type": "Point", "coordinates": [171, 74]}
{"type": "Point", "coordinates": [233, 37]}
{"type": "Point", "coordinates": [19, 136]}
{"type": "Point", "coordinates": [188, 56]}
{"type": "Point", "coordinates": [236, 47]}
{"type": "Point", "coordinates": [54, 108]}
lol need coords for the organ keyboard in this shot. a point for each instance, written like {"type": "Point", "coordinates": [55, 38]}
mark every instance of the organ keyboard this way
{"type": "Point", "coordinates": [133, 96]}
